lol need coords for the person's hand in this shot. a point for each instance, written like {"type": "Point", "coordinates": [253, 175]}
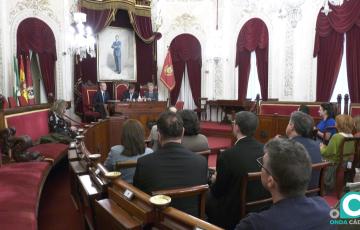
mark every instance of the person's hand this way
{"type": "Point", "coordinates": [322, 145]}
{"type": "Point", "coordinates": [278, 136]}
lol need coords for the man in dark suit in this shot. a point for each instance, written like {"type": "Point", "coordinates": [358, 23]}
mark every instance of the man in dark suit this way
{"type": "Point", "coordinates": [299, 129]}
{"type": "Point", "coordinates": [285, 173]}
{"type": "Point", "coordinates": [100, 100]}
{"type": "Point", "coordinates": [223, 203]}
{"type": "Point", "coordinates": [131, 94]}
{"type": "Point", "coordinates": [172, 166]}
{"type": "Point", "coordinates": [150, 93]}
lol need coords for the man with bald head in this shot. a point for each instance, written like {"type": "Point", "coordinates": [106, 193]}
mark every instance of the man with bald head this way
{"type": "Point", "coordinates": [100, 100]}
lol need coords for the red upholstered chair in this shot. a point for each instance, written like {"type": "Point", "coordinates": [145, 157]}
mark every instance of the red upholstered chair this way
{"type": "Point", "coordinates": [179, 105]}
{"type": "Point", "coordinates": [22, 101]}
{"type": "Point", "coordinates": [12, 102]}
{"type": "Point", "coordinates": [119, 90]}
{"type": "Point", "coordinates": [88, 93]}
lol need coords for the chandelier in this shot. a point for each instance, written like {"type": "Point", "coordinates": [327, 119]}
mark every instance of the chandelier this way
{"type": "Point", "coordinates": [82, 40]}
{"type": "Point", "coordinates": [327, 9]}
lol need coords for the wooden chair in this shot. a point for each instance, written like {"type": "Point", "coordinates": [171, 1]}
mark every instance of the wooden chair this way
{"type": "Point", "coordinates": [342, 171]}
{"type": "Point", "coordinates": [199, 190]}
{"type": "Point", "coordinates": [256, 176]}
{"type": "Point", "coordinates": [179, 105]}
{"type": "Point", "coordinates": [119, 90]}
{"type": "Point", "coordinates": [88, 93]}
{"type": "Point", "coordinates": [22, 101]}
{"type": "Point", "coordinates": [125, 164]}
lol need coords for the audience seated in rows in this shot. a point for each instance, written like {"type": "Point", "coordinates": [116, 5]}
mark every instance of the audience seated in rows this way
{"type": "Point", "coordinates": [285, 173]}
{"type": "Point", "coordinates": [172, 165]}
{"type": "Point", "coordinates": [100, 100]}
{"type": "Point", "coordinates": [327, 114]}
{"type": "Point", "coordinates": [154, 135]}
{"type": "Point", "coordinates": [130, 94]}
{"type": "Point", "coordinates": [223, 203]}
{"type": "Point", "coordinates": [330, 152]}
{"type": "Point", "coordinates": [132, 147]}
{"type": "Point", "coordinates": [192, 140]}
{"type": "Point", "coordinates": [299, 129]}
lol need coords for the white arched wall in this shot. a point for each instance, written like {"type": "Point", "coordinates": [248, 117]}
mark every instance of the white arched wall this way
{"type": "Point", "coordinates": [168, 35]}
{"type": "Point", "coordinates": [239, 26]}
{"type": "Point", "coordinates": [55, 27]}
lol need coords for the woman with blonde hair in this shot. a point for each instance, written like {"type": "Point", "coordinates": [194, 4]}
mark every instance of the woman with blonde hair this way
{"type": "Point", "coordinates": [57, 122]}
{"type": "Point", "coordinates": [331, 152]}
{"type": "Point", "coordinates": [132, 147]}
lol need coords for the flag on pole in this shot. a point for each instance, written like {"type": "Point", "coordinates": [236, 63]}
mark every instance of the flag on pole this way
{"type": "Point", "coordinates": [16, 75]}
{"type": "Point", "coordinates": [29, 81]}
{"type": "Point", "coordinates": [23, 88]}
{"type": "Point", "coordinates": [167, 74]}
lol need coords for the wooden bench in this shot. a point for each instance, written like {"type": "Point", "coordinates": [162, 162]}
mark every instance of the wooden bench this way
{"type": "Point", "coordinates": [119, 211]}
{"type": "Point", "coordinates": [22, 183]}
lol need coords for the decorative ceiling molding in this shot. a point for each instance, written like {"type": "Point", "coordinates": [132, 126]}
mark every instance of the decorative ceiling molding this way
{"type": "Point", "coordinates": [36, 6]}
{"type": "Point", "coordinates": [129, 5]}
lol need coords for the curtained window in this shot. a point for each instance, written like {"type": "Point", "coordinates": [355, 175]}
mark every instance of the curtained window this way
{"type": "Point", "coordinates": [253, 36]}
{"type": "Point", "coordinates": [329, 48]}
{"type": "Point", "coordinates": [254, 84]}
{"type": "Point", "coordinates": [341, 86]}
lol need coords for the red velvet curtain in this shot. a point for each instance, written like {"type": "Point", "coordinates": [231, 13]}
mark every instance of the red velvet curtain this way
{"type": "Point", "coordinates": [253, 36]}
{"type": "Point", "coordinates": [34, 34]}
{"type": "Point", "coordinates": [186, 50]}
{"type": "Point", "coordinates": [329, 60]}
{"type": "Point", "coordinates": [353, 62]}
{"type": "Point", "coordinates": [329, 34]}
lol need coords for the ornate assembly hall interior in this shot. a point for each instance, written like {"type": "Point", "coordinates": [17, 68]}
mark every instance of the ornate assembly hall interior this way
{"type": "Point", "coordinates": [179, 114]}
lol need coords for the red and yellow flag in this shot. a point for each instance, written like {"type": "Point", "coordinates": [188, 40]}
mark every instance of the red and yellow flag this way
{"type": "Point", "coordinates": [167, 74]}
{"type": "Point", "coordinates": [29, 81]}
{"type": "Point", "coordinates": [23, 88]}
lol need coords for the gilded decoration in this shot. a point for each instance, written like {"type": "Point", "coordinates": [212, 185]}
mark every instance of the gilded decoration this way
{"type": "Point", "coordinates": [141, 8]}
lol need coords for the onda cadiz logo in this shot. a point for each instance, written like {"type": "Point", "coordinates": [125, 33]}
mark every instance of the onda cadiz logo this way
{"type": "Point", "coordinates": [349, 209]}
{"type": "Point", "coordinates": [350, 205]}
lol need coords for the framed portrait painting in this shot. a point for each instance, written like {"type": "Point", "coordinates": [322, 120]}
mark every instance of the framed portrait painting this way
{"type": "Point", "coordinates": [116, 55]}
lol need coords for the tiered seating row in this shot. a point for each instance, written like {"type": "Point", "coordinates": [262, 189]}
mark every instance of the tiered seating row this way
{"type": "Point", "coordinates": [22, 183]}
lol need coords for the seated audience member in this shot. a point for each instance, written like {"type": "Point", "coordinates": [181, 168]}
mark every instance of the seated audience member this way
{"type": "Point", "coordinates": [299, 129]}
{"type": "Point", "coordinates": [192, 139]}
{"type": "Point", "coordinates": [223, 203]}
{"type": "Point", "coordinates": [357, 126]}
{"type": "Point", "coordinates": [100, 100]}
{"type": "Point", "coordinates": [304, 108]}
{"type": "Point", "coordinates": [150, 93]}
{"type": "Point", "coordinates": [285, 173]}
{"type": "Point", "coordinates": [132, 147]}
{"type": "Point", "coordinates": [154, 135]}
{"type": "Point", "coordinates": [344, 125]}
{"type": "Point", "coordinates": [57, 122]}
{"type": "Point", "coordinates": [172, 166]}
{"type": "Point", "coordinates": [130, 94]}
{"type": "Point", "coordinates": [327, 115]}
{"type": "Point", "coordinates": [60, 129]}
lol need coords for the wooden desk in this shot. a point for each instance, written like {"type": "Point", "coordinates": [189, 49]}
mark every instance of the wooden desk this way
{"type": "Point", "coordinates": [230, 107]}
{"type": "Point", "coordinates": [145, 112]}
